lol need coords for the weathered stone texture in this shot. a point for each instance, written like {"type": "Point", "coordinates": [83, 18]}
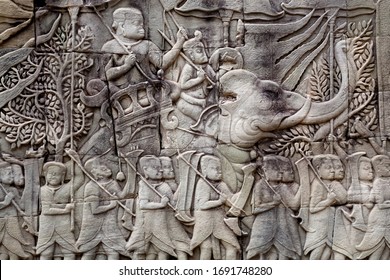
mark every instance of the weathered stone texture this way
{"type": "Point", "coordinates": [171, 129]}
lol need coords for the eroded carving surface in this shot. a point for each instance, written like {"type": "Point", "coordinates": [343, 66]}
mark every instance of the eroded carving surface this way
{"type": "Point", "coordinates": [194, 130]}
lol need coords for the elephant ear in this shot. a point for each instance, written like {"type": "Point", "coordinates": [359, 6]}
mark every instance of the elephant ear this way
{"type": "Point", "coordinates": [237, 81]}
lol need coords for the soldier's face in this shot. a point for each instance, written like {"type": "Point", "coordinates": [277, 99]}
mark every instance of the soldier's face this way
{"type": "Point", "coordinates": [214, 170]}
{"type": "Point", "coordinates": [273, 173]}
{"type": "Point", "coordinates": [153, 170]}
{"type": "Point", "coordinates": [6, 175]}
{"type": "Point", "coordinates": [167, 169]}
{"type": "Point", "coordinates": [326, 170]}
{"type": "Point", "coordinates": [198, 54]}
{"type": "Point", "coordinates": [54, 176]}
{"type": "Point", "coordinates": [338, 169]}
{"type": "Point", "coordinates": [288, 174]}
{"type": "Point", "coordinates": [102, 171]}
{"type": "Point", "coordinates": [134, 28]}
{"type": "Point", "coordinates": [365, 171]}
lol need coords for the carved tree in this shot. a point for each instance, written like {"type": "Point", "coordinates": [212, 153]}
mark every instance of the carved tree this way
{"type": "Point", "coordinates": [363, 104]}
{"type": "Point", "coordinates": [43, 112]}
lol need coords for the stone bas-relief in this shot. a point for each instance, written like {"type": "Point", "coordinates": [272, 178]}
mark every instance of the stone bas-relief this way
{"type": "Point", "coordinates": [194, 130]}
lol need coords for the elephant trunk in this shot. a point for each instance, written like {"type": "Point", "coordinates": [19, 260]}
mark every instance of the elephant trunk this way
{"type": "Point", "coordinates": [321, 112]}
{"type": "Point", "coordinates": [298, 117]}
{"type": "Point", "coordinates": [325, 111]}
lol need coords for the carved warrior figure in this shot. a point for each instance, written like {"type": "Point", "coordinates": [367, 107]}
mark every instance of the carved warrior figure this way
{"type": "Point", "coordinates": [190, 100]}
{"type": "Point", "coordinates": [100, 225]}
{"type": "Point", "coordinates": [325, 193]}
{"type": "Point", "coordinates": [375, 243]}
{"type": "Point", "coordinates": [129, 49]}
{"type": "Point", "coordinates": [351, 220]}
{"type": "Point", "coordinates": [157, 233]}
{"type": "Point", "coordinates": [275, 233]}
{"type": "Point", "coordinates": [13, 244]}
{"type": "Point", "coordinates": [169, 173]}
{"type": "Point", "coordinates": [131, 73]}
{"type": "Point", "coordinates": [193, 82]}
{"type": "Point", "coordinates": [55, 221]}
{"type": "Point", "coordinates": [214, 238]}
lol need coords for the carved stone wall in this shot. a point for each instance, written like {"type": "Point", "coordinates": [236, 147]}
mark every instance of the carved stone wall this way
{"type": "Point", "coordinates": [194, 129]}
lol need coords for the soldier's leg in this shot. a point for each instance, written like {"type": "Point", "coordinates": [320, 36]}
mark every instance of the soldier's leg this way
{"type": "Point", "coordinates": [111, 253]}
{"type": "Point", "coordinates": [90, 255]}
{"type": "Point", "coordinates": [48, 253]}
{"type": "Point", "coordinates": [182, 255]}
{"type": "Point", "coordinates": [377, 254]}
{"type": "Point", "coordinates": [326, 253]}
{"type": "Point", "coordinates": [317, 252]}
{"type": "Point", "coordinates": [206, 249]}
{"type": "Point", "coordinates": [68, 255]}
{"type": "Point", "coordinates": [231, 251]}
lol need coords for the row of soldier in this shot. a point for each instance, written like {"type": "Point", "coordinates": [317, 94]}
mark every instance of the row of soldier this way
{"type": "Point", "coordinates": [320, 219]}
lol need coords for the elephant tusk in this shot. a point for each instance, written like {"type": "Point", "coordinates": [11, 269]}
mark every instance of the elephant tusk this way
{"type": "Point", "coordinates": [298, 117]}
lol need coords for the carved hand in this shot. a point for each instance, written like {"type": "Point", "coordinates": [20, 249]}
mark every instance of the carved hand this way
{"type": "Point", "coordinates": [130, 59]}
{"type": "Point", "coordinates": [164, 201]}
{"type": "Point", "coordinates": [69, 207]}
{"type": "Point", "coordinates": [332, 197]}
{"type": "Point", "coordinates": [181, 35]}
{"type": "Point", "coordinates": [201, 75]}
{"type": "Point", "coordinates": [277, 199]}
{"type": "Point", "coordinates": [9, 197]}
{"type": "Point", "coordinates": [222, 198]}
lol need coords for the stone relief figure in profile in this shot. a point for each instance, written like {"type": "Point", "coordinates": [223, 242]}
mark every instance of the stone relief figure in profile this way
{"type": "Point", "coordinates": [275, 231]}
{"type": "Point", "coordinates": [191, 99]}
{"type": "Point", "coordinates": [13, 244]}
{"type": "Point", "coordinates": [169, 173]}
{"type": "Point", "coordinates": [325, 193]}
{"type": "Point", "coordinates": [211, 234]}
{"type": "Point", "coordinates": [351, 219]}
{"type": "Point", "coordinates": [375, 244]}
{"type": "Point", "coordinates": [55, 222]}
{"type": "Point", "coordinates": [195, 87]}
{"type": "Point", "coordinates": [157, 234]}
{"type": "Point", "coordinates": [101, 230]}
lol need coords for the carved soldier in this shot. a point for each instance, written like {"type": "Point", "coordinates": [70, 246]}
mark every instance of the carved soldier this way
{"type": "Point", "coordinates": [131, 73]}
{"type": "Point", "coordinates": [351, 220]}
{"type": "Point", "coordinates": [195, 87]}
{"type": "Point", "coordinates": [12, 242]}
{"type": "Point", "coordinates": [168, 173]}
{"type": "Point", "coordinates": [325, 192]}
{"type": "Point", "coordinates": [211, 233]}
{"type": "Point", "coordinates": [26, 223]}
{"type": "Point", "coordinates": [55, 221]}
{"type": "Point", "coordinates": [156, 234]}
{"type": "Point", "coordinates": [275, 233]}
{"type": "Point", "coordinates": [100, 227]}
{"type": "Point", "coordinates": [377, 237]}
{"type": "Point", "coordinates": [177, 232]}
{"type": "Point", "coordinates": [122, 68]}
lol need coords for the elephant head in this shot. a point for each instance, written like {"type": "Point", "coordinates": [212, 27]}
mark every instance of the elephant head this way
{"type": "Point", "coordinates": [252, 109]}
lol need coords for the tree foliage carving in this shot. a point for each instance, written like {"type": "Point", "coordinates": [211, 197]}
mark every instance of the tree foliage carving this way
{"type": "Point", "coordinates": [49, 111]}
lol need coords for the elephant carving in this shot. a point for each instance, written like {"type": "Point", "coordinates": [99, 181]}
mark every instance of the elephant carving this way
{"type": "Point", "coordinates": [253, 109]}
